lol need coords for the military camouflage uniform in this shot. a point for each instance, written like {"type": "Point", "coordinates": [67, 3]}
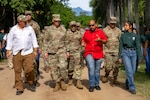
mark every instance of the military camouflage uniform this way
{"type": "Point", "coordinates": [36, 28]}
{"type": "Point", "coordinates": [54, 45]}
{"type": "Point", "coordinates": [82, 60]}
{"type": "Point", "coordinates": [111, 51]}
{"type": "Point", "coordinates": [74, 47]}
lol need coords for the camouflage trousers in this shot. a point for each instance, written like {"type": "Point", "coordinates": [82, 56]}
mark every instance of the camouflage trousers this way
{"type": "Point", "coordinates": [74, 65]}
{"type": "Point", "coordinates": [58, 66]}
{"type": "Point", "coordinates": [111, 63]}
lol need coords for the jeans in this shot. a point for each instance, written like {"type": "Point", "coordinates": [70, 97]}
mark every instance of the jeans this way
{"type": "Point", "coordinates": [129, 58]}
{"type": "Point", "coordinates": [38, 63]}
{"type": "Point", "coordinates": [93, 70]}
{"type": "Point", "coordinates": [147, 60]}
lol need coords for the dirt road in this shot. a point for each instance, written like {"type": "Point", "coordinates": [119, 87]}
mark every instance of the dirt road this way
{"type": "Point", "coordinates": [45, 90]}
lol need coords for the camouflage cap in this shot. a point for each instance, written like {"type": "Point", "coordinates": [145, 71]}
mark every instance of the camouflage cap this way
{"type": "Point", "coordinates": [21, 18]}
{"type": "Point", "coordinates": [99, 26]}
{"type": "Point", "coordinates": [72, 23]}
{"type": "Point", "coordinates": [28, 12]}
{"type": "Point", "coordinates": [113, 20]}
{"type": "Point", "coordinates": [78, 24]}
{"type": "Point", "coordinates": [56, 17]}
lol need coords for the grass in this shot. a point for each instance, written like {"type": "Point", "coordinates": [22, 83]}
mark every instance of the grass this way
{"type": "Point", "coordinates": [142, 81]}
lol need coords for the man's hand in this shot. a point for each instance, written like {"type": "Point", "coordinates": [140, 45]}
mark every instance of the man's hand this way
{"type": "Point", "coordinates": [67, 54]}
{"type": "Point", "coordinates": [8, 53]}
{"type": "Point", "coordinates": [35, 54]}
{"type": "Point", "coordinates": [46, 55]}
{"type": "Point", "coordinates": [120, 61]}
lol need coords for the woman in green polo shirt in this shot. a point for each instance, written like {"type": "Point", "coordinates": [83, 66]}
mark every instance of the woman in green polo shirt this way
{"type": "Point", "coordinates": [129, 49]}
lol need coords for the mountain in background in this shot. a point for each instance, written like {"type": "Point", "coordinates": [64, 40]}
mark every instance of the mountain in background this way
{"type": "Point", "coordinates": [79, 11]}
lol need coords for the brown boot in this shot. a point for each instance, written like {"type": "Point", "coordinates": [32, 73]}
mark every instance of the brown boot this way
{"type": "Point", "coordinates": [63, 85]}
{"type": "Point", "coordinates": [47, 69]}
{"type": "Point", "coordinates": [115, 81]}
{"type": "Point", "coordinates": [70, 80]}
{"type": "Point", "coordinates": [104, 79]}
{"type": "Point", "coordinates": [79, 84]}
{"type": "Point", "coordinates": [57, 87]}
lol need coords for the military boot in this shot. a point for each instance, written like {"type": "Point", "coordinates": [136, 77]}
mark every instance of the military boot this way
{"type": "Point", "coordinates": [63, 85]}
{"type": "Point", "coordinates": [79, 84]}
{"type": "Point", "coordinates": [105, 78]}
{"type": "Point", "coordinates": [70, 80]}
{"type": "Point", "coordinates": [47, 69]}
{"type": "Point", "coordinates": [115, 81]}
{"type": "Point", "coordinates": [57, 87]}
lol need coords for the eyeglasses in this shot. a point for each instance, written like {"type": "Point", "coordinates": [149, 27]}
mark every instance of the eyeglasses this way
{"type": "Point", "coordinates": [91, 25]}
{"type": "Point", "coordinates": [56, 21]}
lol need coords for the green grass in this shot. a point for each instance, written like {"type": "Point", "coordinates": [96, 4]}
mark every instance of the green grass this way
{"type": "Point", "coordinates": [142, 81]}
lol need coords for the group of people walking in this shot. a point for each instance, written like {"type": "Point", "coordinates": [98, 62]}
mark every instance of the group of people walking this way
{"type": "Point", "coordinates": [63, 49]}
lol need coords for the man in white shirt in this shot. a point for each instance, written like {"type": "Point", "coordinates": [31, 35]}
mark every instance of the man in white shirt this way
{"type": "Point", "coordinates": [22, 40]}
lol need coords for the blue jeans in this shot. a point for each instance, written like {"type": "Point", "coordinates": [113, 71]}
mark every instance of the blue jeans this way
{"type": "Point", "coordinates": [38, 63]}
{"type": "Point", "coordinates": [147, 59]}
{"type": "Point", "coordinates": [129, 58]}
{"type": "Point", "coordinates": [93, 70]}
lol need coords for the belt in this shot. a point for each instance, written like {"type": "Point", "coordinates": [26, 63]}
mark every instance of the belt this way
{"type": "Point", "coordinates": [129, 49]}
{"type": "Point", "coordinates": [51, 53]}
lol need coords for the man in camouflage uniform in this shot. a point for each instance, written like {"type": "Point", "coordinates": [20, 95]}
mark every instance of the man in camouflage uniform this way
{"type": "Point", "coordinates": [73, 43]}
{"type": "Point", "coordinates": [111, 50]}
{"type": "Point", "coordinates": [46, 64]}
{"type": "Point", "coordinates": [55, 51]}
{"type": "Point", "coordinates": [81, 31]}
{"type": "Point", "coordinates": [36, 28]}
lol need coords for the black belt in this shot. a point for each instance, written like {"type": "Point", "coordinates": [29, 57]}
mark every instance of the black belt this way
{"type": "Point", "coordinates": [129, 49]}
{"type": "Point", "coordinates": [51, 53]}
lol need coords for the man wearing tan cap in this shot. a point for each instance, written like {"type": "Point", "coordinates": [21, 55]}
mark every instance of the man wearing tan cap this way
{"type": "Point", "coordinates": [36, 28]}
{"type": "Point", "coordinates": [73, 43]}
{"type": "Point", "coordinates": [111, 50]}
{"type": "Point", "coordinates": [22, 40]}
{"type": "Point", "coordinates": [54, 50]}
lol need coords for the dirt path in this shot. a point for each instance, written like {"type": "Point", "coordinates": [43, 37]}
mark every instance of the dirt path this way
{"type": "Point", "coordinates": [44, 92]}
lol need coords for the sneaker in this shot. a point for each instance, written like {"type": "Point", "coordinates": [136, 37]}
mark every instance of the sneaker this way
{"type": "Point", "coordinates": [133, 91]}
{"type": "Point", "coordinates": [91, 89]}
{"type": "Point", "coordinates": [97, 88]}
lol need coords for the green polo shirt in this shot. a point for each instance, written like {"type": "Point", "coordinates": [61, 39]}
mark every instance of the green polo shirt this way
{"type": "Point", "coordinates": [130, 40]}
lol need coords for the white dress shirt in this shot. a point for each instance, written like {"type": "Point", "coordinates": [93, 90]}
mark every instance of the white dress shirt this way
{"type": "Point", "coordinates": [21, 39]}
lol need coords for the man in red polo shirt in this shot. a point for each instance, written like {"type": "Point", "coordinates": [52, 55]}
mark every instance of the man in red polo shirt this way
{"type": "Point", "coordinates": [93, 41]}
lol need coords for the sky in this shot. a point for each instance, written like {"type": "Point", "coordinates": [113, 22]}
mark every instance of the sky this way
{"type": "Point", "coordinates": [84, 4]}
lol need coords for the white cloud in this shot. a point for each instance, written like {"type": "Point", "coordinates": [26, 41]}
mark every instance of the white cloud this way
{"type": "Point", "coordinates": [84, 4]}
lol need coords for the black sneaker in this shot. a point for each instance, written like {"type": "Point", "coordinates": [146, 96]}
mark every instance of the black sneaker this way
{"type": "Point", "coordinates": [91, 89]}
{"type": "Point", "coordinates": [19, 92]}
{"type": "Point", "coordinates": [97, 88]}
{"type": "Point", "coordinates": [32, 87]}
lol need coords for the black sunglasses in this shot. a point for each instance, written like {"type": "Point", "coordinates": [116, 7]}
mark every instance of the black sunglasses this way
{"type": "Point", "coordinates": [91, 25]}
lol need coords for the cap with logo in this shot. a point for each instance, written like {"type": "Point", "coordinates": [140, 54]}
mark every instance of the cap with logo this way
{"type": "Point", "coordinates": [113, 20]}
{"type": "Point", "coordinates": [56, 17]}
{"type": "Point", "coordinates": [21, 18]}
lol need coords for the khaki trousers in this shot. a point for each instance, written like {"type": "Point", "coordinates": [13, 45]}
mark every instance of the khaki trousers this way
{"type": "Point", "coordinates": [25, 63]}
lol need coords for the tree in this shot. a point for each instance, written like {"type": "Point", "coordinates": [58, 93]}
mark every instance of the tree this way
{"type": "Point", "coordinates": [147, 13]}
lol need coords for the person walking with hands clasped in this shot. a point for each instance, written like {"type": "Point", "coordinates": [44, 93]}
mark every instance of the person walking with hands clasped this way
{"type": "Point", "coordinates": [129, 49]}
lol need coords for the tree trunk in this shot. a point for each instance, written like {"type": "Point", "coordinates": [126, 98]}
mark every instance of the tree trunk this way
{"type": "Point", "coordinates": [147, 13]}
{"type": "Point", "coordinates": [130, 9]}
{"type": "Point", "coordinates": [136, 14]}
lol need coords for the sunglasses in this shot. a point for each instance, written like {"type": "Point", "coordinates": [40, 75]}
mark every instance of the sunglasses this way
{"type": "Point", "coordinates": [91, 25]}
